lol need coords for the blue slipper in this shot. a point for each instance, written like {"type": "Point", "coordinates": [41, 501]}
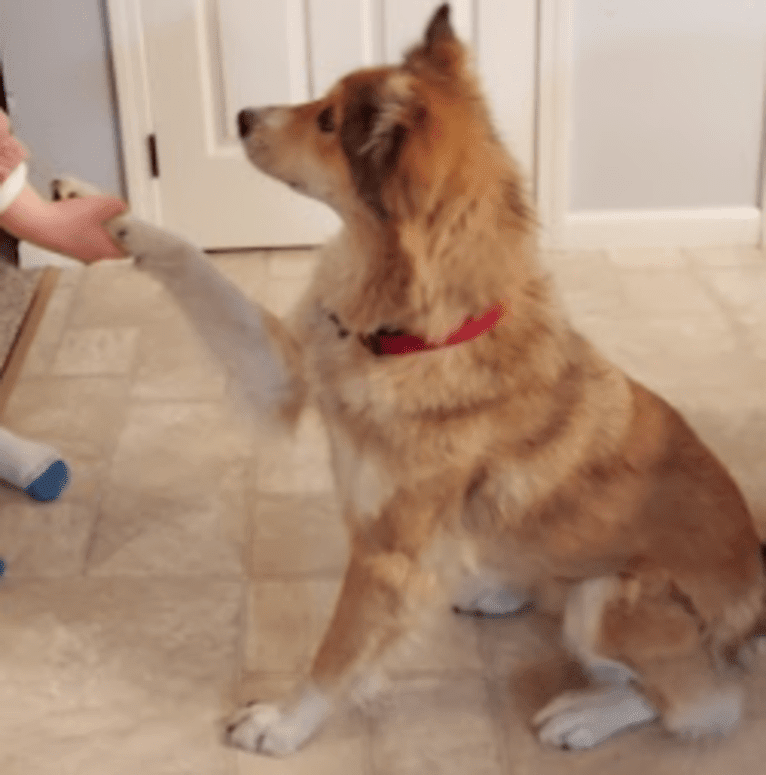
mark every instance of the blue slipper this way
{"type": "Point", "coordinates": [50, 484]}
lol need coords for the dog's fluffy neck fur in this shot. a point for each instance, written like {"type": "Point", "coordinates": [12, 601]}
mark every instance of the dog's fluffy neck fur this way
{"type": "Point", "coordinates": [411, 273]}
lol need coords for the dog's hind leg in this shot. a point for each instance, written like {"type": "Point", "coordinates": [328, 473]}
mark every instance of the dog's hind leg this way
{"type": "Point", "coordinates": [256, 349]}
{"type": "Point", "coordinates": [644, 647]}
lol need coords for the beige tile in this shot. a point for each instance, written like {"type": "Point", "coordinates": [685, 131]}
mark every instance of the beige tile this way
{"type": "Point", "coordinates": [288, 279]}
{"type": "Point", "coordinates": [46, 540]}
{"type": "Point", "coordinates": [42, 351]}
{"type": "Point", "coordinates": [319, 757]}
{"type": "Point", "coordinates": [435, 726]}
{"type": "Point", "coordinates": [293, 535]}
{"type": "Point", "coordinates": [757, 335]}
{"type": "Point", "coordinates": [248, 271]}
{"type": "Point", "coordinates": [96, 351]}
{"type": "Point", "coordinates": [178, 445]}
{"type": "Point", "coordinates": [274, 278]}
{"type": "Point", "coordinates": [588, 283]}
{"type": "Point", "coordinates": [441, 643]}
{"type": "Point", "coordinates": [285, 621]}
{"type": "Point", "coordinates": [81, 417]}
{"type": "Point", "coordinates": [648, 257]}
{"type": "Point", "coordinates": [107, 677]}
{"type": "Point", "coordinates": [728, 255]}
{"type": "Point", "coordinates": [143, 534]}
{"type": "Point", "coordinates": [742, 287]}
{"type": "Point", "coordinates": [72, 276]}
{"type": "Point", "coordinates": [299, 463]}
{"type": "Point", "coordinates": [293, 264]}
{"type": "Point", "coordinates": [116, 294]}
{"type": "Point", "coordinates": [173, 363]}
{"type": "Point", "coordinates": [178, 451]}
{"type": "Point", "coordinates": [666, 293]}
{"type": "Point", "coordinates": [663, 351]}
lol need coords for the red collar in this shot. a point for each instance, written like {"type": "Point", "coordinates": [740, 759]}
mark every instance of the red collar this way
{"type": "Point", "coordinates": [383, 342]}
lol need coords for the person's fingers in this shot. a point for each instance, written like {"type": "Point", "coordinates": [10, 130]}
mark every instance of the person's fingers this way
{"type": "Point", "coordinates": [106, 207]}
{"type": "Point", "coordinates": [100, 245]}
{"type": "Point", "coordinates": [97, 208]}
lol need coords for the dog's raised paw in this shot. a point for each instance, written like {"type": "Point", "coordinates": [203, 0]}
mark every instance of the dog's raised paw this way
{"type": "Point", "coordinates": [144, 241]}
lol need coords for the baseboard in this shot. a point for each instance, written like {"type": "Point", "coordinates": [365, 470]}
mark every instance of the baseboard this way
{"type": "Point", "coordinates": [656, 228]}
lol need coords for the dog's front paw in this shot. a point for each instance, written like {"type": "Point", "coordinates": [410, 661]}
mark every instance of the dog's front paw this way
{"type": "Point", "coordinates": [268, 729]}
{"type": "Point", "coordinates": [260, 728]}
{"type": "Point", "coordinates": [145, 242]}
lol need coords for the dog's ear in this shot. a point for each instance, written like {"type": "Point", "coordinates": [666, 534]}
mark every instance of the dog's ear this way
{"type": "Point", "coordinates": [440, 50]}
{"type": "Point", "coordinates": [440, 27]}
{"type": "Point", "coordinates": [372, 136]}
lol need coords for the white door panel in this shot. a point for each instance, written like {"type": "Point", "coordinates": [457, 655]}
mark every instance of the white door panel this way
{"type": "Point", "coordinates": [405, 20]}
{"type": "Point", "coordinates": [344, 36]}
{"type": "Point", "coordinates": [206, 59]}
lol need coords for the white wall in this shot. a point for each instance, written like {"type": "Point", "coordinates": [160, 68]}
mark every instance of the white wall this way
{"type": "Point", "coordinates": [57, 75]}
{"type": "Point", "coordinates": [667, 103]}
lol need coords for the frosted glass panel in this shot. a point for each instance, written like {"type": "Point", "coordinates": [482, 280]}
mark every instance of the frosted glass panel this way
{"type": "Point", "coordinates": [667, 103]}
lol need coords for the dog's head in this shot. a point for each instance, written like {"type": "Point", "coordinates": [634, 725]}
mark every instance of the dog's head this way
{"type": "Point", "coordinates": [380, 136]}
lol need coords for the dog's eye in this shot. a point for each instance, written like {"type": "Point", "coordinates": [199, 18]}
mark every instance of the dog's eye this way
{"type": "Point", "coordinates": [325, 120]}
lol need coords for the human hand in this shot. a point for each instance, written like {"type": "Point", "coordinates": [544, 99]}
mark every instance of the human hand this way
{"type": "Point", "coordinates": [73, 227]}
{"type": "Point", "coordinates": [82, 234]}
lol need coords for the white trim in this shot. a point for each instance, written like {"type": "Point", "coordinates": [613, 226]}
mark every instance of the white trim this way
{"type": "Point", "coordinates": [135, 115]}
{"type": "Point", "coordinates": [656, 228]}
{"type": "Point", "coordinates": [554, 127]}
{"type": "Point", "coordinates": [762, 201]}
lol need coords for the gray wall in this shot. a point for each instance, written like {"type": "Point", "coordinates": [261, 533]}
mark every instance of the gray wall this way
{"type": "Point", "coordinates": [55, 57]}
{"type": "Point", "coordinates": [668, 99]}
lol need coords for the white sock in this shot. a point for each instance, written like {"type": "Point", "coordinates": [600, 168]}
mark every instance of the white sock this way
{"type": "Point", "coordinates": [22, 461]}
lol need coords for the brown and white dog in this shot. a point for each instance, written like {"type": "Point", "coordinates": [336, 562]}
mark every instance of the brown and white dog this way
{"type": "Point", "coordinates": [482, 448]}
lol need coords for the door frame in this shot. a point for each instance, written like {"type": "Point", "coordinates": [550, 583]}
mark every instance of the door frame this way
{"type": "Point", "coordinates": [133, 107]}
{"type": "Point", "coordinates": [599, 229]}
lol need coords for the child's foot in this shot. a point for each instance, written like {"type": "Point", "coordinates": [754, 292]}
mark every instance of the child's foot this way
{"type": "Point", "coordinates": [50, 484]}
{"type": "Point", "coordinates": [31, 466]}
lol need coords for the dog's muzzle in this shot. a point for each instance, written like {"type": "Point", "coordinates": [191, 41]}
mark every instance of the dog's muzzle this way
{"type": "Point", "coordinates": [246, 120]}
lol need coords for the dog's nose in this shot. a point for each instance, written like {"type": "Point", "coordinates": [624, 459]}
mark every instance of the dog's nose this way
{"type": "Point", "coordinates": [246, 120]}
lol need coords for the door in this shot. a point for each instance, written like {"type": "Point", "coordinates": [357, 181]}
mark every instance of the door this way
{"type": "Point", "coordinates": [188, 66]}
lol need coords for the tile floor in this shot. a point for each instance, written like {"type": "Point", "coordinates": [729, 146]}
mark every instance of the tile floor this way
{"type": "Point", "coordinates": [190, 566]}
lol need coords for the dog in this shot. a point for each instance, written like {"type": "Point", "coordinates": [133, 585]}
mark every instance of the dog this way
{"type": "Point", "coordinates": [484, 452]}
